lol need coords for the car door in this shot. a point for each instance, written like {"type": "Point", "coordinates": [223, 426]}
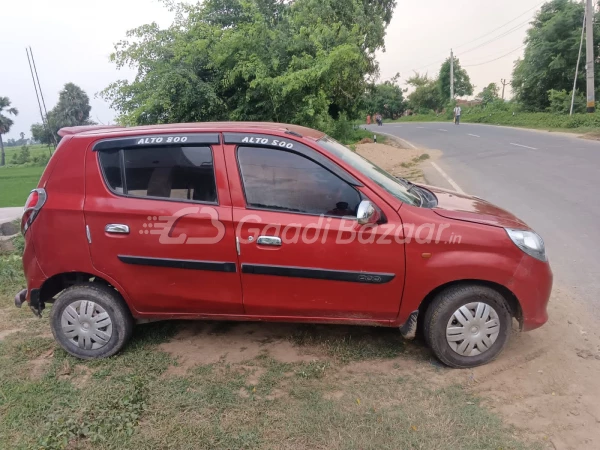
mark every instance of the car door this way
{"type": "Point", "coordinates": [159, 218]}
{"type": "Point", "coordinates": [302, 252]}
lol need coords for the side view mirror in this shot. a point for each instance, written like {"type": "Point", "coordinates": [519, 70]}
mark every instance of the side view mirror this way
{"type": "Point", "coordinates": [367, 213]}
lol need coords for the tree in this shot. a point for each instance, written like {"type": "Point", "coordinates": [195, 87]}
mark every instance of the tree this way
{"type": "Point", "coordinates": [73, 109]}
{"type": "Point", "coordinates": [550, 56]}
{"type": "Point", "coordinates": [305, 62]}
{"type": "Point", "coordinates": [488, 94]}
{"type": "Point", "coordinates": [462, 82]}
{"type": "Point", "coordinates": [5, 123]}
{"type": "Point", "coordinates": [386, 98]}
{"type": "Point", "coordinates": [426, 95]}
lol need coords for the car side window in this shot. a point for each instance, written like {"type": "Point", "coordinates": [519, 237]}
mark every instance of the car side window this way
{"type": "Point", "coordinates": [178, 173]}
{"type": "Point", "coordinates": [286, 181]}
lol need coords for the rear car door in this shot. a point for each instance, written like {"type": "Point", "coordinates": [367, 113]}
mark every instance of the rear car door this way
{"type": "Point", "coordinates": [302, 252]}
{"type": "Point", "coordinates": [159, 219]}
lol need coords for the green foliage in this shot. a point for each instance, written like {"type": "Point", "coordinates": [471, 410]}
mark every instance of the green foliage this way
{"type": "Point", "coordinates": [117, 416]}
{"type": "Point", "coordinates": [489, 94]}
{"type": "Point", "coordinates": [503, 113]}
{"type": "Point", "coordinates": [551, 54]}
{"type": "Point", "coordinates": [386, 98]}
{"type": "Point", "coordinates": [5, 124]}
{"type": "Point", "coordinates": [462, 82]}
{"type": "Point", "coordinates": [426, 96]}
{"type": "Point", "coordinates": [302, 62]}
{"type": "Point", "coordinates": [560, 102]}
{"type": "Point", "coordinates": [73, 109]}
{"type": "Point", "coordinates": [22, 157]}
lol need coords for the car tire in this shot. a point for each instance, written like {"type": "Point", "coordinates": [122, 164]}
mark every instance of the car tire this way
{"type": "Point", "coordinates": [91, 321]}
{"type": "Point", "coordinates": [472, 312]}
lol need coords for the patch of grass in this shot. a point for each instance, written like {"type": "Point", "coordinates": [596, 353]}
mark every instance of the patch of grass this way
{"type": "Point", "coordinates": [11, 273]}
{"type": "Point", "coordinates": [352, 343]}
{"type": "Point", "coordinates": [127, 401]}
{"type": "Point", "coordinates": [16, 183]}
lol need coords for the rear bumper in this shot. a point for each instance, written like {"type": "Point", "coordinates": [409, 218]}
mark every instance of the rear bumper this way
{"type": "Point", "coordinates": [532, 284]}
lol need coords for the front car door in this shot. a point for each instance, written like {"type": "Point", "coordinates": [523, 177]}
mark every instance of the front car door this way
{"type": "Point", "coordinates": [302, 252]}
{"type": "Point", "coordinates": [159, 216]}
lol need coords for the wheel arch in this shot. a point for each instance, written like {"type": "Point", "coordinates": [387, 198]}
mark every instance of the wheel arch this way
{"type": "Point", "coordinates": [511, 299]}
{"type": "Point", "coordinates": [61, 281]}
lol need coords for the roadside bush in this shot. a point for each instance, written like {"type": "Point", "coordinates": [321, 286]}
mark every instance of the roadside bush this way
{"type": "Point", "coordinates": [560, 102]}
{"type": "Point", "coordinates": [22, 157]}
{"type": "Point", "coordinates": [509, 114]}
{"type": "Point", "coordinates": [40, 160]}
{"type": "Point", "coordinates": [346, 131]}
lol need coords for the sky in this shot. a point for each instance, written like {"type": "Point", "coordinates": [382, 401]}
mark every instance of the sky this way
{"type": "Point", "coordinates": [72, 41]}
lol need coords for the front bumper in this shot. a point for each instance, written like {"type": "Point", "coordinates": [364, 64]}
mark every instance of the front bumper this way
{"type": "Point", "coordinates": [34, 301]}
{"type": "Point", "coordinates": [532, 284]}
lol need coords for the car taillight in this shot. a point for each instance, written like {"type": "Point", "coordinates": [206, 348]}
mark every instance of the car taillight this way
{"type": "Point", "coordinates": [34, 203]}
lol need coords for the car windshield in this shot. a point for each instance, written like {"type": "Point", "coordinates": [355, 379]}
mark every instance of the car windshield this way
{"type": "Point", "coordinates": [388, 182]}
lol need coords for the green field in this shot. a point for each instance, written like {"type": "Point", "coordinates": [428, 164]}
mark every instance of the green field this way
{"type": "Point", "coordinates": [37, 149]}
{"type": "Point", "coordinates": [16, 183]}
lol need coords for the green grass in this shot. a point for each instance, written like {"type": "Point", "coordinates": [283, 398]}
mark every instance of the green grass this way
{"type": "Point", "coordinates": [16, 182]}
{"type": "Point", "coordinates": [50, 400]}
{"type": "Point", "coordinates": [578, 123]}
{"type": "Point", "coordinates": [35, 150]}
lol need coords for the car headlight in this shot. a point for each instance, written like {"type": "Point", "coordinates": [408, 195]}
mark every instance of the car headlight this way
{"type": "Point", "coordinates": [528, 241]}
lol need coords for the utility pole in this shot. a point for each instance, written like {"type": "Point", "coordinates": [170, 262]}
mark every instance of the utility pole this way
{"type": "Point", "coordinates": [452, 74]}
{"type": "Point", "coordinates": [589, 56]}
{"type": "Point", "coordinates": [504, 83]}
{"type": "Point", "coordinates": [577, 66]}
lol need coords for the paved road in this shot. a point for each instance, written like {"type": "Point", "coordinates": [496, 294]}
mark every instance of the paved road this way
{"type": "Point", "coordinates": [550, 180]}
{"type": "Point", "coordinates": [10, 214]}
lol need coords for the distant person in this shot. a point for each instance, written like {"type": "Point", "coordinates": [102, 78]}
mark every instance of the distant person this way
{"type": "Point", "coordinates": [379, 119]}
{"type": "Point", "coordinates": [457, 112]}
{"type": "Point", "coordinates": [368, 119]}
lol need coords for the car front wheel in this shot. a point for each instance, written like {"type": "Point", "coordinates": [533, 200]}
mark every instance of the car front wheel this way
{"type": "Point", "coordinates": [91, 321]}
{"type": "Point", "coordinates": [467, 326]}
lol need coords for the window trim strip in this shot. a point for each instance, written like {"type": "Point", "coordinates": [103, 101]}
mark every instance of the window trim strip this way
{"type": "Point", "coordinates": [193, 139]}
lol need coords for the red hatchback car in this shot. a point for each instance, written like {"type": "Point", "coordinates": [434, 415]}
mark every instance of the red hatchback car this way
{"type": "Point", "coordinates": [264, 221]}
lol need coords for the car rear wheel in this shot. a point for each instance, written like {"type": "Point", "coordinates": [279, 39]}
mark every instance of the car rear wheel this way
{"type": "Point", "coordinates": [467, 326]}
{"type": "Point", "coordinates": [91, 321]}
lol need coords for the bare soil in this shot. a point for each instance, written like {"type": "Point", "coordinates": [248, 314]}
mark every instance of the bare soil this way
{"type": "Point", "coordinates": [398, 160]}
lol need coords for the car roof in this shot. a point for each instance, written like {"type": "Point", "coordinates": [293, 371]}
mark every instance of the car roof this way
{"type": "Point", "coordinates": [112, 130]}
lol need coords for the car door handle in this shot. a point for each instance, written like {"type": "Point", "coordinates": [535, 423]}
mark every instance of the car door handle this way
{"type": "Point", "coordinates": [116, 228]}
{"type": "Point", "coordinates": [269, 240]}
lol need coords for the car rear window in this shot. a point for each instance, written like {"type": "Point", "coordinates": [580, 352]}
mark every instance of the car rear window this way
{"type": "Point", "coordinates": [178, 173]}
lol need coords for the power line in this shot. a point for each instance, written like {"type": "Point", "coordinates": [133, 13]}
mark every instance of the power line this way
{"type": "Point", "coordinates": [496, 59]}
{"type": "Point", "coordinates": [506, 33]}
{"type": "Point", "coordinates": [501, 26]}
{"type": "Point", "coordinates": [520, 25]}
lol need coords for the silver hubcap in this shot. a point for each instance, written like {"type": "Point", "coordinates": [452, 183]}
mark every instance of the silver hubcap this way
{"type": "Point", "coordinates": [473, 329]}
{"type": "Point", "coordinates": [86, 324]}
